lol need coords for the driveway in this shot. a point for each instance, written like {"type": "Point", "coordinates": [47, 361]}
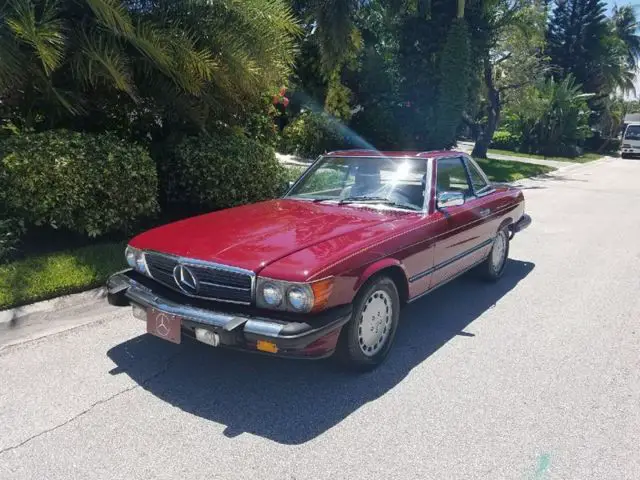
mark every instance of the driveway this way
{"type": "Point", "coordinates": [536, 377]}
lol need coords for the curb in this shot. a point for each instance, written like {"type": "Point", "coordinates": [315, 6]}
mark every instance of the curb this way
{"type": "Point", "coordinates": [11, 318]}
{"type": "Point", "coordinates": [25, 324]}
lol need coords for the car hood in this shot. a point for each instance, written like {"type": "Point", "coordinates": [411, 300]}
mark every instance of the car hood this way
{"type": "Point", "coordinates": [253, 236]}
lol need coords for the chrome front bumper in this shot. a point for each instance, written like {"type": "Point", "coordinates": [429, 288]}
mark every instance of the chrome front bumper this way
{"type": "Point", "coordinates": [130, 288]}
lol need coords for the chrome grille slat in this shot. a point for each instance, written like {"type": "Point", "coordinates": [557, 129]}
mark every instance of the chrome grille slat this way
{"type": "Point", "coordinates": [216, 282]}
{"type": "Point", "coordinates": [217, 285]}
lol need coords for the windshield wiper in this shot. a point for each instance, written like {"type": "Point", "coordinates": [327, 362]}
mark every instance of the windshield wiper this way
{"type": "Point", "coordinates": [323, 199]}
{"type": "Point", "coordinates": [378, 200]}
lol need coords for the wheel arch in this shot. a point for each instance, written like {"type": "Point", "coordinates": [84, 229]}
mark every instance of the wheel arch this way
{"type": "Point", "coordinates": [393, 269]}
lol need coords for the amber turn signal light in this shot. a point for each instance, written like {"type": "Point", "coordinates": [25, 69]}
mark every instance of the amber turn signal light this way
{"type": "Point", "coordinates": [321, 292]}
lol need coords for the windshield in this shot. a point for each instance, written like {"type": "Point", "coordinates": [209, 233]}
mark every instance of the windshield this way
{"type": "Point", "coordinates": [396, 182]}
{"type": "Point", "coordinates": [632, 133]}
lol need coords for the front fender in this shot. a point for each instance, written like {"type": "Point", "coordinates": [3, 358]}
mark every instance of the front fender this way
{"type": "Point", "coordinates": [386, 264]}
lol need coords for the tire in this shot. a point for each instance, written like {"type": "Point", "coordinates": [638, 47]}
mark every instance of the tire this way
{"type": "Point", "coordinates": [624, 155]}
{"type": "Point", "coordinates": [493, 267]}
{"type": "Point", "coordinates": [367, 338]}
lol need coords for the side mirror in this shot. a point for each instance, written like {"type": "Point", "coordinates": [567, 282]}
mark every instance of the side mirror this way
{"type": "Point", "coordinates": [449, 199]}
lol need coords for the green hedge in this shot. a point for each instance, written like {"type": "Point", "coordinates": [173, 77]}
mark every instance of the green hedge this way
{"type": "Point", "coordinates": [89, 184]}
{"type": "Point", "coordinates": [11, 230]}
{"type": "Point", "coordinates": [217, 171]}
{"type": "Point", "coordinates": [310, 135]}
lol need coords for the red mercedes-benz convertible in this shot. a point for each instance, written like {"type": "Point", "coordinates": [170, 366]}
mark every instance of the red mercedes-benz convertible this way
{"type": "Point", "coordinates": [328, 267]}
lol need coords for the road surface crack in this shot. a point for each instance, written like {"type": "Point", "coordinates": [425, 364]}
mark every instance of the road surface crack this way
{"type": "Point", "coordinates": [144, 383]}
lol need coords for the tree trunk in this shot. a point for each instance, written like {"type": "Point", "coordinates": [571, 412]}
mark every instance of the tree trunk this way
{"type": "Point", "coordinates": [461, 8]}
{"type": "Point", "coordinates": [493, 115]}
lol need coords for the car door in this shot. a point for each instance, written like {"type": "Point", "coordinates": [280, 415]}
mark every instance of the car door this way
{"type": "Point", "coordinates": [464, 238]}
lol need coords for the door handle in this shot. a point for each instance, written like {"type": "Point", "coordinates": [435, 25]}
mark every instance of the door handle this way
{"type": "Point", "coordinates": [485, 211]}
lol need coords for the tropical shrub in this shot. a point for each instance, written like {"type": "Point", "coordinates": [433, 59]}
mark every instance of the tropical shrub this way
{"type": "Point", "coordinates": [505, 140]}
{"type": "Point", "coordinates": [311, 134]}
{"type": "Point", "coordinates": [88, 184]}
{"type": "Point", "coordinates": [551, 117]}
{"type": "Point", "coordinates": [220, 170]}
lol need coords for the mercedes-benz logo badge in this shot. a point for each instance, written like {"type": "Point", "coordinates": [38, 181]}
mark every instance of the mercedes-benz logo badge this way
{"type": "Point", "coordinates": [162, 327]}
{"type": "Point", "coordinates": [185, 279]}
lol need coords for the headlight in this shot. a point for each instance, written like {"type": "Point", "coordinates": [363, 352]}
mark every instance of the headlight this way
{"type": "Point", "coordinates": [136, 260]}
{"type": "Point", "coordinates": [272, 294]}
{"type": "Point", "coordinates": [130, 255]}
{"type": "Point", "coordinates": [300, 298]}
{"type": "Point", "coordinates": [293, 297]}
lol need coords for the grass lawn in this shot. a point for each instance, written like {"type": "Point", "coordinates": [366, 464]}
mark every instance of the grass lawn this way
{"type": "Point", "coordinates": [508, 171]}
{"type": "Point", "coordinates": [587, 157]}
{"type": "Point", "coordinates": [47, 276]}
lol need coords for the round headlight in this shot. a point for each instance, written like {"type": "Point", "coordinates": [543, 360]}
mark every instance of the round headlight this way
{"type": "Point", "coordinates": [130, 255]}
{"type": "Point", "coordinates": [299, 299]}
{"type": "Point", "coordinates": [272, 294]}
{"type": "Point", "coordinates": [141, 263]}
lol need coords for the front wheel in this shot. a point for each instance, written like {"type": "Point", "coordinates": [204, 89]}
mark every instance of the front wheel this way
{"type": "Point", "coordinates": [493, 267]}
{"type": "Point", "coordinates": [367, 338]}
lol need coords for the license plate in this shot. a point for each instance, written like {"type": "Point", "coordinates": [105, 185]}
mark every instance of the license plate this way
{"type": "Point", "coordinates": [164, 325]}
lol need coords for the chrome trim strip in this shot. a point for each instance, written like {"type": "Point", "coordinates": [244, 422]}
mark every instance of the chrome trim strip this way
{"type": "Point", "coordinates": [444, 282]}
{"type": "Point", "coordinates": [448, 262]}
{"type": "Point", "coordinates": [145, 297]}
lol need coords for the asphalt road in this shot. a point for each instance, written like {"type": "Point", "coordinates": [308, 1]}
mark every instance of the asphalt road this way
{"type": "Point", "coordinates": [536, 377]}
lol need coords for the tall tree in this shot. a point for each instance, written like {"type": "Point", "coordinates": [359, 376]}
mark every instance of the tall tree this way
{"type": "Point", "coordinates": [578, 30]}
{"type": "Point", "coordinates": [332, 36]}
{"type": "Point", "coordinates": [512, 60]}
{"type": "Point", "coordinates": [626, 28]}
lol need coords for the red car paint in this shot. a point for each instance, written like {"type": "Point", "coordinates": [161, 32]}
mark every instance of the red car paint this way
{"type": "Point", "coordinates": [297, 240]}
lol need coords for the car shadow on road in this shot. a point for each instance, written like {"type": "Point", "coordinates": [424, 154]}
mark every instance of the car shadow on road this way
{"type": "Point", "coordinates": [292, 402]}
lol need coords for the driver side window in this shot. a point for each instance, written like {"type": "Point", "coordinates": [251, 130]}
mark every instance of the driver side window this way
{"type": "Point", "coordinates": [451, 176]}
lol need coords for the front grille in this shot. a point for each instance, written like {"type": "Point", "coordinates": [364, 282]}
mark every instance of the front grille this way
{"type": "Point", "coordinates": [215, 282]}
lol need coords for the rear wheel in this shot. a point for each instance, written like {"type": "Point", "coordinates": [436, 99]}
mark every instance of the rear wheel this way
{"type": "Point", "coordinates": [493, 267]}
{"type": "Point", "coordinates": [367, 338]}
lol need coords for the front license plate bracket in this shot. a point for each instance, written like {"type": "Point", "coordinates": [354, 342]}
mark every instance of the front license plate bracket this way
{"type": "Point", "coordinates": [164, 325]}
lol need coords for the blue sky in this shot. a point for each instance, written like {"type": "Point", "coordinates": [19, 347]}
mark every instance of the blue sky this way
{"type": "Point", "coordinates": [624, 2]}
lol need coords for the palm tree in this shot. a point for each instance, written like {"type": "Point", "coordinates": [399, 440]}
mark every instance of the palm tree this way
{"type": "Point", "coordinates": [626, 27]}
{"type": "Point", "coordinates": [190, 55]}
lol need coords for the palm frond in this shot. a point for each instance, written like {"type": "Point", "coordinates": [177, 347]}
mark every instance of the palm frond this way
{"type": "Point", "coordinates": [12, 63]}
{"type": "Point", "coordinates": [44, 33]}
{"type": "Point", "coordinates": [102, 59]}
{"type": "Point", "coordinates": [112, 14]}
